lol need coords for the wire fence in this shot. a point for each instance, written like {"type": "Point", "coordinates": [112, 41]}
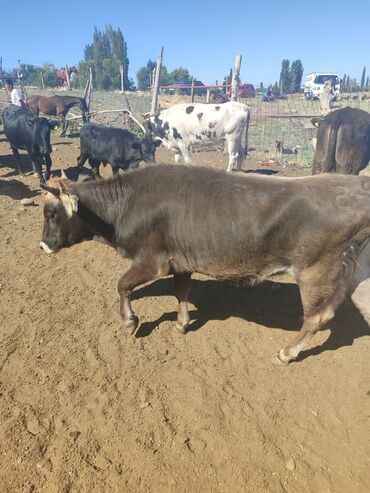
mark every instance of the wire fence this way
{"type": "Point", "coordinates": [279, 130]}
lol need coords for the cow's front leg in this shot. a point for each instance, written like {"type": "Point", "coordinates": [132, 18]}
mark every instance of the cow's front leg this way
{"type": "Point", "coordinates": [48, 163]}
{"type": "Point", "coordinates": [182, 289]}
{"type": "Point", "coordinates": [137, 274]}
{"type": "Point", "coordinates": [185, 151]}
{"type": "Point", "coordinates": [37, 166]}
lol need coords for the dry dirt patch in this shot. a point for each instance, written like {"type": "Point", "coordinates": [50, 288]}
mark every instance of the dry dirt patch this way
{"type": "Point", "coordinates": [86, 408]}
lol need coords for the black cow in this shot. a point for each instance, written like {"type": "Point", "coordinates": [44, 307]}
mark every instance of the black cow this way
{"type": "Point", "coordinates": [27, 132]}
{"type": "Point", "coordinates": [117, 146]}
{"type": "Point", "coordinates": [343, 142]}
{"type": "Point", "coordinates": [180, 220]}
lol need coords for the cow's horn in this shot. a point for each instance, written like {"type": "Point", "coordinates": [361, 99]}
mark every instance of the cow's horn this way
{"type": "Point", "coordinates": [55, 191]}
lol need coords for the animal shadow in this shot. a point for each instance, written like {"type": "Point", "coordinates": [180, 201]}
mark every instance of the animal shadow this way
{"type": "Point", "coordinates": [270, 304]}
{"type": "Point", "coordinates": [8, 161]}
{"type": "Point", "coordinates": [16, 190]}
{"type": "Point", "coordinates": [261, 171]}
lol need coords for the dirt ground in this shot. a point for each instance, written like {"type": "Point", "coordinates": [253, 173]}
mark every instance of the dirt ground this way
{"type": "Point", "coordinates": [86, 408]}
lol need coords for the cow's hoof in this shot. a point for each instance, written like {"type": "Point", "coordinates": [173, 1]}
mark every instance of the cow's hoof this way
{"type": "Point", "coordinates": [131, 324]}
{"type": "Point", "coordinates": [278, 361]}
{"type": "Point", "coordinates": [182, 328]}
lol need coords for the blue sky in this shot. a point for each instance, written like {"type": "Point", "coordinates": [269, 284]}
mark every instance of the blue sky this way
{"type": "Point", "coordinates": [203, 36]}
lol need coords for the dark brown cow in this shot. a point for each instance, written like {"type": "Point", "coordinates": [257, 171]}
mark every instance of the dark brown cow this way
{"type": "Point", "coordinates": [343, 142]}
{"type": "Point", "coordinates": [57, 106]}
{"type": "Point", "coordinates": [181, 220]}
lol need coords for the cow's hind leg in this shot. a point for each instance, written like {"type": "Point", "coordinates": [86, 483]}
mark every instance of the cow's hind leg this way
{"type": "Point", "coordinates": [64, 126]}
{"type": "Point", "coordinates": [182, 289]}
{"type": "Point", "coordinates": [323, 287]}
{"type": "Point", "coordinates": [234, 159]}
{"type": "Point", "coordinates": [17, 161]}
{"type": "Point", "coordinates": [137, 274]}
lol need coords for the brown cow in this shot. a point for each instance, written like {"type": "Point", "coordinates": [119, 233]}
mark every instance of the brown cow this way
{"type": "Point", "coordinates": [180, 220]}
{"type": "Point", "coordinates": [343, 142]}
{"type": "Point", "coordinates": [57, 106]}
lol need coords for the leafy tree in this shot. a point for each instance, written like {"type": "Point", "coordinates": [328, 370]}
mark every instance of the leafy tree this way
{"type": "Point", "coordinates": [363, 79]}
{"type": "Point", "coordinates": [106, 55]}
{"type": "Point", "coordinates": [229, 78]}
{"type": "Point", "coordinates": [296, 74]}
{"type": "Point", "coordinates": [180, 74]}
{"type": "Point", "coordinates": [144, 75]}
{"type": "Point", "coordinates": [285, 76]}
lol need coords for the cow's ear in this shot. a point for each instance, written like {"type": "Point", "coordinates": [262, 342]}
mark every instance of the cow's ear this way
{"type": "Point", "coordinates": [70, 203]}
{"type": "Point", "coordinates": [157, 142]}
{"type": "Point", "coordinates": [136, 145]}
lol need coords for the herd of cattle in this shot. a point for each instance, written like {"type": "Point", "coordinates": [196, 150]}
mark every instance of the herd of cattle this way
{"type": "Point", "coordinates": [179, 220]}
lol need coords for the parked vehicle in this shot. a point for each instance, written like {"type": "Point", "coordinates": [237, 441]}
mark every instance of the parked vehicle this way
{"type": "Point", "coordinates": [186, 92]}
{"type": "Point", "coordinates": [245, 91]}
{"type": "Point", "coordinates": [314, 84]}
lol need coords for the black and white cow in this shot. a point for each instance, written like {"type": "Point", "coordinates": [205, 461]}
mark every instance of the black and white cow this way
{"type": "Point", "coordinates": [186, 125]}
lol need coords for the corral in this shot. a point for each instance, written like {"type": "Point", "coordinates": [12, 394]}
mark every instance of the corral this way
{"type": "Point", "coordinates": [85, 407]}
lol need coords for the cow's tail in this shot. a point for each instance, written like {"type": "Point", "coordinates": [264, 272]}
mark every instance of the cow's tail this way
{"type": "Point", "coordinates": [246, 147]}
{"type": "Point", "coordinates": [324, 158]}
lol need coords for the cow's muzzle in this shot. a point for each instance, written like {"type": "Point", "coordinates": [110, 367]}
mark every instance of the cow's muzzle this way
{"type": "Point", "coordinates": [46, 248]}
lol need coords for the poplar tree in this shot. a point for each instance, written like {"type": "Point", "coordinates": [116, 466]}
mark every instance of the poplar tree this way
{"type": "Point", "coordinates": [363, 76]}
{"type": "Point", "coordinates": [285, 76]}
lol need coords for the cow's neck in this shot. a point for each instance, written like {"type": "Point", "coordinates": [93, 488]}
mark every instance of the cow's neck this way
{"type": "Point", "coordinates": [98, 207]}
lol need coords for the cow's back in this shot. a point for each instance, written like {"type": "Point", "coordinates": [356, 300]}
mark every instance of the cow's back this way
{"type": "Point", "coordinates": [274, 222]}
{"type": "Point", "coordinates": [18, 126]}
{"type": "Point", "coordinates": [104, 143]}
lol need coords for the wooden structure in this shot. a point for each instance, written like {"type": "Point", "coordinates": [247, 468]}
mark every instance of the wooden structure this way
{"type": "Point", "coordinates": [235, 78]}
{"type": "Point", "coordinates": [154, 107]}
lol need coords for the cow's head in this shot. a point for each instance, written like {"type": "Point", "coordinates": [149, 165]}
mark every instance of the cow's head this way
{"type": "Point", "coordinates": [41, 135]}
{"type": "Point", "coordinates": [62, 226]}
{"type": "Point", "coordinates": [146, 148]}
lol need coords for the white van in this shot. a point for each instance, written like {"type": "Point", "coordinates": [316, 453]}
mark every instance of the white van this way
{"type": "Point", "coordinates": [314, 84]}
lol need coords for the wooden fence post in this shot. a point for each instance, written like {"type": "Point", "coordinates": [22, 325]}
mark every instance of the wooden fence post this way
{"type": "Point", "coordinates": [235, 78]}
{"type": "Point", "coordinates": [192, 90]}
{"type": "Point", "coordinates": [208, 93]}
{"type": "Point", "coordinates": [67, 78]}
{"type": "Point", "coordinates": [42, 80]}
{"type": "Point", "coordinates": [153, 110]}
{"type": "Point", "coordinates": [121, 72]}
{"type": "Point", "coordinates": [88, 92]}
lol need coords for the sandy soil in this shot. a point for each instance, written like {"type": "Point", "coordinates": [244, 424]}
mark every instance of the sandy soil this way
{"type": "Point", "coordinates": [86, 408]}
